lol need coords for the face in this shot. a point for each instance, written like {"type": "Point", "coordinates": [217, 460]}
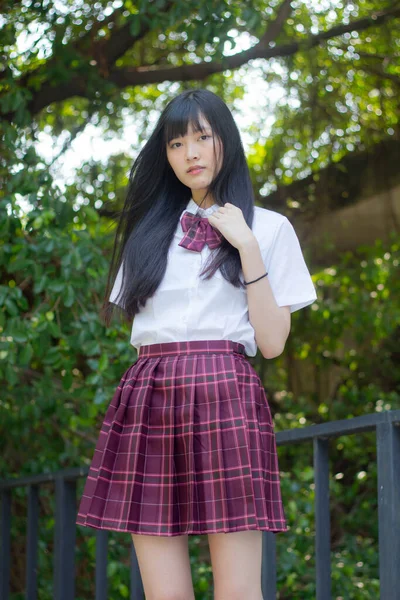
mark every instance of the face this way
{"type": "Point", "coordinates": [195, 149]}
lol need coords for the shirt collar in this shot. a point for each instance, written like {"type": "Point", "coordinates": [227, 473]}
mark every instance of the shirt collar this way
{"type": "Point", "coordinates": [193, 207]}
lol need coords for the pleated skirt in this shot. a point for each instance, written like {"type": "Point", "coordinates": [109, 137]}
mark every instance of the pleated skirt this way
{"type": "Point", "coordinates": [187, 446]}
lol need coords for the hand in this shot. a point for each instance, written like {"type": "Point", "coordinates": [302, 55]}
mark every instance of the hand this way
{"type": "Point", "coordinates": [229, 220]}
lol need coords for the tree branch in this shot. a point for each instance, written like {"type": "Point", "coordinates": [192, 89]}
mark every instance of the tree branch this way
{"type": "Point", "coordinates": [141, 76]}
{"type": "Point", "coordinates": [276, 26]}
{"type": "Point", "coordinates": [382, 74]}
{"type": "Point", "coordinates": [121, 40]}
{"type": "Point", "coordinates": [104, 51]}
{"type": "Point", "coordinates": [199, 71]}
{"type": "Point", "coordinates": [67, 144]}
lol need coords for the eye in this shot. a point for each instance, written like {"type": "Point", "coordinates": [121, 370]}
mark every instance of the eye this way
{"type": "Point", "coordinates": [202, 136]}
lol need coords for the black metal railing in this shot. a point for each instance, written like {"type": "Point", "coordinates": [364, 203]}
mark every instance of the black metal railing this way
{"type": "Point", "coordinates": [387, 429]}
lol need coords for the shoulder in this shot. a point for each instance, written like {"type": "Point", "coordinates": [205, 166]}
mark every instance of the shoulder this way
{"type": "Point", "coordinates": [266, 225]}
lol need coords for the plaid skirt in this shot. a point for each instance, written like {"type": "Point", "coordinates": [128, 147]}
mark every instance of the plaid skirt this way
{"type": "Point", "coordinates": [187, 446]}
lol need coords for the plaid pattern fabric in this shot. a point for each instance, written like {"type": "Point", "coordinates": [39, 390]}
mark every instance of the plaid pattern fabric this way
{"type": "Point", "coordinates": [198, 231]}
{"type": "Point", "coordinates": [187, 446]}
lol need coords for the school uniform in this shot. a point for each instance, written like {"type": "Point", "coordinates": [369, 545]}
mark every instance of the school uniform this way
{"type": "Point", "coordinates": [187, 445]}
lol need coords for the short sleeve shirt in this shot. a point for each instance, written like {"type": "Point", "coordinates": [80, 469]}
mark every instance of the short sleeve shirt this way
{"type": "Point", "coordinates": [186, 307]}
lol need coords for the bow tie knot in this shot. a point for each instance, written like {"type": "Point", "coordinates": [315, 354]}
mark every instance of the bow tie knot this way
{"type": "Point", "coordinates": [198, 232]}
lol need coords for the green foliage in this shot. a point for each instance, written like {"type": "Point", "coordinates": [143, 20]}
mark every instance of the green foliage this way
{"type": "Point", "coordinates": [326, 98]}
{"type": "Point", "coordinates": [59, 365]}
{"type": "Point", "coordinates": [62, 366]}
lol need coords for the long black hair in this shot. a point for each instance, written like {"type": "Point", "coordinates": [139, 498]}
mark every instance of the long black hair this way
{"type": "Point", "coordinates": [156, 199]}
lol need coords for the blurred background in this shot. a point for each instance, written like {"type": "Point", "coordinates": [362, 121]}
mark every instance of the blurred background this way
{"type": "Point", "coordinates": [314, 88]}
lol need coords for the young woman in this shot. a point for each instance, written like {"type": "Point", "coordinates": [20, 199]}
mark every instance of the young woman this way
{"type": "Point", "coordinates": [187, 445]}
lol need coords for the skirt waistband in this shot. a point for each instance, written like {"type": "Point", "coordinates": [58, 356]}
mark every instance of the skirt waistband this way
{"type": "Point", "coordinates": [191, 347]}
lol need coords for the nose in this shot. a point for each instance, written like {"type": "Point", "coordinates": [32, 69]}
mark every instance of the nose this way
{"type": "Point", "coordinates": [192, 152]}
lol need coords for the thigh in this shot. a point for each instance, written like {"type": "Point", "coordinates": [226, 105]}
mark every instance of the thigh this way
{"type": "Point", "coordinates": [164, 566]}
{"type": "Point", "coordinates": [236, 564]}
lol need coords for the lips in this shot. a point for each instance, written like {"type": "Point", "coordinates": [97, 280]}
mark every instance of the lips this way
{"type": "Point", "coordinates": [195, 169]}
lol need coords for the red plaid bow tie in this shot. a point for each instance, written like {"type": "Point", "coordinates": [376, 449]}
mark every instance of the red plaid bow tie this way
{"type": "Point", "coordinates": [198, 232]}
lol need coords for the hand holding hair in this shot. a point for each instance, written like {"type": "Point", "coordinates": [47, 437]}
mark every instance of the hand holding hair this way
{"type": "Point", "coordinates": [229, 220]}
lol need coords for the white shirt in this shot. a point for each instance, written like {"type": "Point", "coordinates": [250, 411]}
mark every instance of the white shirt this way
{"type": "Point", "coordinates": [185, 307]}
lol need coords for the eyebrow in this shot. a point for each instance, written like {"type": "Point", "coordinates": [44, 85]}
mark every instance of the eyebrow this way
{"type": "Point", "coordinates": [206, 128]}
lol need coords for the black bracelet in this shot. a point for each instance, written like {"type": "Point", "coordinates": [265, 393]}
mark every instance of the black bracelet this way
{"type": "Point", "coordinates": [248, 282]}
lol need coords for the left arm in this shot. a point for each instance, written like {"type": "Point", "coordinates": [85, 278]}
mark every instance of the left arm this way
{"type": "Point", "coordinates": [271, 322]}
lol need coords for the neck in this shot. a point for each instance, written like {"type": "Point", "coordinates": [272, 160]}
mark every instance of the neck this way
{"type": "Point", "coordinates": [199, 197]}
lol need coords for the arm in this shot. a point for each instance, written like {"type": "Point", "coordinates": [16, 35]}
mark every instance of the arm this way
{"type": "Point", "coordinates": [271, 322]}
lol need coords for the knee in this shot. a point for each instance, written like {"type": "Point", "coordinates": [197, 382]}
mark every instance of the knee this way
{"type": "Point", "coordinates": [171, 595]}
{"type": "Point", "coordinates": [238, 592]}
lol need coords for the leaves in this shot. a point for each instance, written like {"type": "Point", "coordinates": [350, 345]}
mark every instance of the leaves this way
{"type": "Point", "coordinates": [59, 365]}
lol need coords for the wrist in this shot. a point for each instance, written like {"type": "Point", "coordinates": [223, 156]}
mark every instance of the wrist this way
{"type": "Point", "coordinates": [249, 243]}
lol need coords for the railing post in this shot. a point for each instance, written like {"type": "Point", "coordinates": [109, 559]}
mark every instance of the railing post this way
{"type": "Point", "coordinates": [322, 519]}
{"type": "Point", "coordinates": [64, 540]}
{"type": "Point", "coordinates": [387, 428]}
{"type": "Point", "coordinates": [268, 566]}
{"type": "Point", "coordinates": [388, 463]}
{"type": "Point", "coordinates": [32, 542]}
{"type": "Point", "coordinates": [5, 547]}
{"type": "Point", "coordinates": [101, 564]}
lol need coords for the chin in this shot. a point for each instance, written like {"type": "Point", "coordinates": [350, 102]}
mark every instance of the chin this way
{"type": "Point", "coordinates": [198, 185]}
